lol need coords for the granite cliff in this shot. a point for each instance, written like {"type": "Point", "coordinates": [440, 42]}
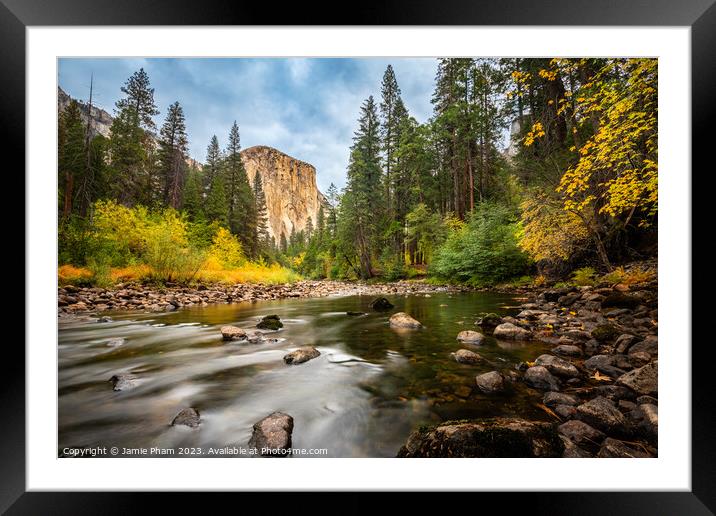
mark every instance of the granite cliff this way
{"type": "Point", "coordinates": [292, 196]}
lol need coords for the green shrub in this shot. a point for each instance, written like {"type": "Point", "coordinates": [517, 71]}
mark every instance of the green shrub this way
{"type": "Point", "coordinates": [584, 277]}
{"type": "Point", "coordinates": [484, 250]}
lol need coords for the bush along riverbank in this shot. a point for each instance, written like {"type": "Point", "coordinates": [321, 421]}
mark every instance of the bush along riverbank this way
{"type": "Point", "coordinates": [74, 300]}
{"type": "Point", "coordinates": [600, 380]}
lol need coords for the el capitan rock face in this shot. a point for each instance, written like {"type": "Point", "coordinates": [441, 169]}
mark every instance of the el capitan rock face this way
{"type": "Point", "coordinates": [290, 187]}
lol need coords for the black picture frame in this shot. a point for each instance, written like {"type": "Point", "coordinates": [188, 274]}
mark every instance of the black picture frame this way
{"type": "Point", "coordinates": [700, 15]}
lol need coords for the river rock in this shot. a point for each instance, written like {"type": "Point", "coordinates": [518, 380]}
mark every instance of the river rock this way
{"type": "Point", "coordinates": [381, 304]}
{"type": "Point", "coordinates": [301, 355]}
{"type": "Point", "coordinates": [639, 359]}
{"type": "Point", "coordinates": [650, 419]}
{"type": "Point", "coordinates": [580, 433]}
{"type": "Point", "coordinates": [597, 362]}
{"type": "Point", "coordinates": [492, 437]}
{"type": "Point", "coordinates": [624, 341]}
{"type": "Point", "coordinates": [116, 342]}
{"type": "Point", "coordinates": [489, 321]}
{"type": "Point", "coordinates": [349, 312]}
{"type": "Point", "coordinates": [403, 320]}
{"type": "Point", "coordinates": [232, 333]}
{"type": "Point", "coordinates": [270, 322]}
{"type": "Point", "coordinates": [605, 332]}
{"type": "Point", "coordinates": [539, 377]}
{"type": "Point", "coordinates": [644, 380]}
{"type": "Point", "coordinates": [471, 337]}
{"type": "Point", "coordinates": [567, 350]}
{"type": "Point", "coordinates": [557, 366]}
{"type": "Point", "coordinates": [272, 435]}
{"type": "Point", "coordinates": [565, 411]}
{"type": "Point", "coordinates": [552, 399]}
{"type": "Point", "coordinates": [511, 331]}
{"type": "Point", "coordinates": [465, 356]}
{"type": "Point", "coordinates": [187, 417]}
{"type": "Point", "coordinates": [603, 415]}
{"type": "Point", "coordinates": [613, 448]}
{"type": "Point", "coordinates": [649, 345]}
{"type": "Point", "coordinates": [572, 451]}
{"type": "Point", "coordinates": [491, 382]}
{"type": "Point", "coordinates": [123, 381]}
{"type": "Point", "coordinates": [620, 300]}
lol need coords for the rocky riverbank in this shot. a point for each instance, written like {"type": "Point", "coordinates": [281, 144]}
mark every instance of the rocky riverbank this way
{"type": "Point", "coordinates": [73, 300]}
{"type": "Point", "coordinates": [600, 380]}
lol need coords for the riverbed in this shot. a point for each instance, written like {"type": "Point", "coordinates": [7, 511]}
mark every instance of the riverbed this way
{"type": "Point", "coordinates": [370, 387]}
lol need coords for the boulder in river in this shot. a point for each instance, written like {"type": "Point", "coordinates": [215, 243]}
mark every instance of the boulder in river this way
{"type": "Point", "coordinates": [232, 333]}
{"type": "Point", "coordinates": [123, 381]}
{"type": "Point", "coordinates": [270, 322]}
{"type": "Point", "coordinates": [271, 436]}
{"type": "Point", "coordinates": [381, 304]}
{"type": "Point", "coordinates": [644, 380]}
{"type": "Point", "coordinates": [491, 382]}
{"type": "Point", "coordinates": [491, 437]}
{"type": "Point", "coordinates": [567, 350]}
{"type": "Point", "coordinates": [116, 342]}
{"type": "Point", "coordinates": [349, 312]}
{"type": "Point", "coordinates": [301, 355]}
{"type": "Point", "coordinates": [558, 366]}
{"type": "Point", "coordinates": [511, 331]}
{"type": "Point", "coordinates": [539, 377]}
{"type": "Point", "coordinates": [403, 320]}
{"type": "Point", "coordinates": [187, 417]}
{"type": "Point", "coordinates": [465, 356]}
{"type": "Point", "coordinates": [471, 337]}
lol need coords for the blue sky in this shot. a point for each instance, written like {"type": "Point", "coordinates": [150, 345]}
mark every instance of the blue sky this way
{"type": "Point", "coordinates": [306, 108]}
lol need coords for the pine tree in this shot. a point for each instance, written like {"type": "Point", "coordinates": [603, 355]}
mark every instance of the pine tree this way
{"type": "Point", "coordinates": [130, 174]}
{"type": "Point", "coordinates": [321, 224]}
{"type": "Point", "coordinates": [362, 202]}
{"type": "Point", "coordinates": [213, 163]}
{"type": "Point", "coordinates": [309, 229]}
{"type": "Point", "coordinates": [193, 199]}
{"type": "Point", "coordinates": [216, 206]}
{"type": "Point", "coordinates": [71, 154]}
{"type": "Point", "coordinates": [173, 144]}
{"type": "Point", "coordinates": [262, 236]}
{"type": "Point", "coordinates": [391, 111]}
{"type": "Point", "coordinates": [140, 99]}
{"type": "Point", "coordinates": [242, 206]}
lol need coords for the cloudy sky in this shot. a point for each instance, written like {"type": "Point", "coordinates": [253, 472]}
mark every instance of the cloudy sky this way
{"type": "Point", "coordinates": [306, 108]}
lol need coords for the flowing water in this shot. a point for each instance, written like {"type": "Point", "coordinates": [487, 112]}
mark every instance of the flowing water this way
{"type": "Point", "coordinates": [371, 386]}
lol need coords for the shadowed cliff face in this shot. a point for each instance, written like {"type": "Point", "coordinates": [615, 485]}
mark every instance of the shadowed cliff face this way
{"type": "Point", "coordinates": [290, 187]}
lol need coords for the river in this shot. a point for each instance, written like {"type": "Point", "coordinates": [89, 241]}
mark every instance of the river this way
{"type": "Point", "coordinates": [371, 386]}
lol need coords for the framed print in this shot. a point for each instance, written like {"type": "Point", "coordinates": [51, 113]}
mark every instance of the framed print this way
{"type": "Point", "coordinates": [424, 251]}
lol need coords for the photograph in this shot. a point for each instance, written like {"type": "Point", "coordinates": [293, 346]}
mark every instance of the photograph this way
{"type": "Point", "coordinates": [357, 257]}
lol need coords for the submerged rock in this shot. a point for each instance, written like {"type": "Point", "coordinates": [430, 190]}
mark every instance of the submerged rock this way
{"type": "Point", "coordinates": [232, 333]}
{"type": "Point", "coordinates": [354, 313]}
{"type": "Point", "coordinates": [491, 382]}
{"type": "Point", "coordinates": [116, 342]}
{"type": "Point", "coordinates": [270, 322]}
{"type": "Point", "coordinates": [471, 337]}
{"type": "Point", "coordinates": [381, 304]}
{"type": "Point", "coordinates": [187, 417]}
{"type": "Point", "coordinates": [272, 435]}
{"type": "Point", "coordinates": [493, 437]}
{"type": "Point", "coordinates": [403, 320]}
{"type": "Point", "coordinates": [465, 356]}
{"type": "Point", "coordinates": [511, 331]}
{"type": "Point", "coordinates": [123, 381]}
{"type": "Point", "coordinates": [301, 355]}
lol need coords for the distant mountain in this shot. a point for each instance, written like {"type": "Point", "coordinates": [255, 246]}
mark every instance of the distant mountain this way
{"type": "Point", "coordinates": [101, 120]}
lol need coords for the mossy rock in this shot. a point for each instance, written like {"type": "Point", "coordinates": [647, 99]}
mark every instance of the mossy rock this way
{"type": "Point", "coordinates": [270, 322]}
{"type": "Point", "coordinates": [605, 333]}
{"type": "Point", "coordinates": [490, 320]}
{"type": "Point", "coordinates": [491, 437]}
